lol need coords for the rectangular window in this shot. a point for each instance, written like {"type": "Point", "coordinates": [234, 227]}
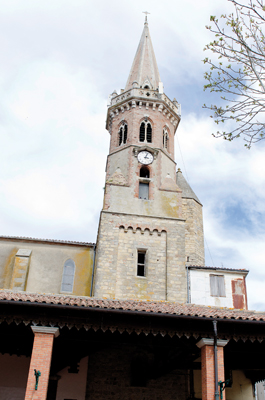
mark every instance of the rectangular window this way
{"type": "Point", "coordinates": [217, 285]}
{"type": "Point", "coordinates": [141, 263]}
{"type": "Point", "coordinates": [143, 191]}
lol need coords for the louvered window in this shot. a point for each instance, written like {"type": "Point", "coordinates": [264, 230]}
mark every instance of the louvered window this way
{"type": "Point", "coordinates": [145, 132]}
{"type": "Point", "coordinates": [142, 132]}
{"type": "Point", "coordinates": [68, 276]}
{"type": "Point", "coordinates": [217, 285]}
{"type": "Point", "coordinates": [165, 139]}
{"type": "Point", "coordinates": [149, 133]}
{"type": "Point", "coordinates": [123, 134]}
{"type": "Point", "coordinates": [141, 256]}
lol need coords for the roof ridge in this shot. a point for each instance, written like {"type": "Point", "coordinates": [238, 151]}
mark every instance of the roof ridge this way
{"type": "Point", "coordinates": [45, 240]}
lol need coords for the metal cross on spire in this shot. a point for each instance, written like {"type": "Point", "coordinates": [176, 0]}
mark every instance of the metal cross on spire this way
{"type": "Point", "coordinates": [145, 12]}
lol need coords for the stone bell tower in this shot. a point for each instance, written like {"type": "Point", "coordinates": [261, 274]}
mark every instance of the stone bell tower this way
{"type": "Point", "coordinates": [143, 231]}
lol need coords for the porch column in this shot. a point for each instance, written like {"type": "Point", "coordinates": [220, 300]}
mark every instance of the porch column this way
{"type": "Point", "coordinates": [207, 366]}
{"type": "Point", "coordinates": [40, 361]}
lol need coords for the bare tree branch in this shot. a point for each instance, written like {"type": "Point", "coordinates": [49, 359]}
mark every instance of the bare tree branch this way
{"type": "Point", "coordinates": [238, 71]}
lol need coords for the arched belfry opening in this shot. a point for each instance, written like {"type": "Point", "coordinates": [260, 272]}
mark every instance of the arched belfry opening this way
{"type": "Point", "coordinates": [165, 138]}
{"type": "Point", "coordinates": [145, 132]}
{"type": "Point", "coordinates": [144, 172]}
{"type": "Point", "coordinates": [122, 134]}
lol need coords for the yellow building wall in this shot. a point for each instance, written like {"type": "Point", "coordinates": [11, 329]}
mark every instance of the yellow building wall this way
{"type": "Point", "coordinates": [241, 388]}
{"type": "Point", "coordinates": [44, 266]}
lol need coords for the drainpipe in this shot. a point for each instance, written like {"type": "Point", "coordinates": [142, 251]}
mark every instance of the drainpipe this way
{"type": "Point", "coordinates": [188, 285]}
{"type": "Point", "coordinates": [216, 394]}
{"type": "Point", "coordinates": [93, 270]}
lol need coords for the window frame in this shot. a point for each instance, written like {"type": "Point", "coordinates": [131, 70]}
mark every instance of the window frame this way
{"type": "Point", "coordinates": [165, 139]}
{"type": "Point", "coordinates": [144, 264]}
{"type": "Point", "coordinates": [63, 290]}
{"type": "Point", "coordinates": [146, 123]}
{"type": "Point", "coordinates": [123, 134]}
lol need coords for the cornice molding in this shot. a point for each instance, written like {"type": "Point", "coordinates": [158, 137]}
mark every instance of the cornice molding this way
{"type": "Point", "coordinates": [210, 342]}
{"type": "Point", "coordinates": [46, 329]}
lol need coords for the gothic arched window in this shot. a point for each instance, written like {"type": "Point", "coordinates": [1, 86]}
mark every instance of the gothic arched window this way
{"type": "Point", "coordinates": [165, 138]}
{"type": "Point", "coordinates": [123, 134]}
{"type": "Point", "coordinates": [68, 276]}
{"type": "Point", "coordinates": [145, 132]}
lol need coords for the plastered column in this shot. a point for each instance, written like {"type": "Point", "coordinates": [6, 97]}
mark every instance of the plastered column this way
{"type": "Point", "coordinates": [207, 366]}
{"type": "Point", "coordinates": [41, 361]}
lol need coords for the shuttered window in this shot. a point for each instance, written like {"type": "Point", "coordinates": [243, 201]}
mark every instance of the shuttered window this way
{"type": "Point", "coordinates": [217, 285]}
{"type": "Point", "coordinates": [143, 191]}
{"type": "Point", "coordinates": [68, 276]}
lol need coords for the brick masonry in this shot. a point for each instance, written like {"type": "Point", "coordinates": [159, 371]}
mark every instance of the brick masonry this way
{"type": "Point", "coordinates": [110, 377]}
{"type": "Point", "coordinates": [40, 360]}
{"type": "Point", "coordinates": [207, 367]}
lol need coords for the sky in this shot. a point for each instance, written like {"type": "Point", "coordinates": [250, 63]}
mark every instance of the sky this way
{"type": "Point", "coordinates": [60, 60]}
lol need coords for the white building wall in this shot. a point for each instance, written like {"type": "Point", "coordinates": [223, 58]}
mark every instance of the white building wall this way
{"type": "Point", "coordinates": [200, 287]}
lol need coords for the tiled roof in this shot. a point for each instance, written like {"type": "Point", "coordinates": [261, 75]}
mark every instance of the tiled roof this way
{"type": "Point", "coordinates": [219, 268]}
{"type": "Point", "coordinates": [148, 307]}
{"type": "Point", "coordinates": [51, 241]}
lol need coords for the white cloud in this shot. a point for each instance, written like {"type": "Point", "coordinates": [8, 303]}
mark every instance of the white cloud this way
{"type": "Point", "coordinates": [60, 61]}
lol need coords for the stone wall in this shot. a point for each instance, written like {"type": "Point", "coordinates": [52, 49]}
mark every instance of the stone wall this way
{"type": "Point", "coordinates": [119, 238]}
{"type": "Point", "coordinates": [194, 237]}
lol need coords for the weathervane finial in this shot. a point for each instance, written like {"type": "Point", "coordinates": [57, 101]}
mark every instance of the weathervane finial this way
{"type": "Point", "coordinates": [145, 12]}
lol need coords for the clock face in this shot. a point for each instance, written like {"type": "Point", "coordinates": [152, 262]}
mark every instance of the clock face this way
{"type": "Point", "coordinates": [144, 157]}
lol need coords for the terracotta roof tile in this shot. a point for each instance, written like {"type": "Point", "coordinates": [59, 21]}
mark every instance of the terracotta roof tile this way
{"type": "Point", "coordinates": [149, 307]}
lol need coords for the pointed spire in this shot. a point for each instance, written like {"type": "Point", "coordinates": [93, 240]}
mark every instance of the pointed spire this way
{"type": "Point", "coordinates": [144, 69]}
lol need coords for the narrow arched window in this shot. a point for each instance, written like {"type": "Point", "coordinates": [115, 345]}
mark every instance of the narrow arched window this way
{"type": "Point", "coordinates": [144, 172]}
{"type": "Point", "coordinates": [145, 132]}
{"type": "Point", "coordinates": [68, 276]}
{"type": "Point", "coordinates": [165, 138]}
{"type": "Point", "coordinates": [123, 134]}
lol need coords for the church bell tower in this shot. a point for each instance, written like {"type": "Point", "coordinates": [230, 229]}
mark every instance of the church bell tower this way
{"type": "Point", "coordinates": [143, 231]}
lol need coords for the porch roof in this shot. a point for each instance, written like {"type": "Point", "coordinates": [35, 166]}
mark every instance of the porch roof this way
{"type": "Point", "coordinates": [148, 307]}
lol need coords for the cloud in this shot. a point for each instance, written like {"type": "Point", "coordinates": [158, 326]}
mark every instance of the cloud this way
{"type": "Point", "coordinates": [60, 62]}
